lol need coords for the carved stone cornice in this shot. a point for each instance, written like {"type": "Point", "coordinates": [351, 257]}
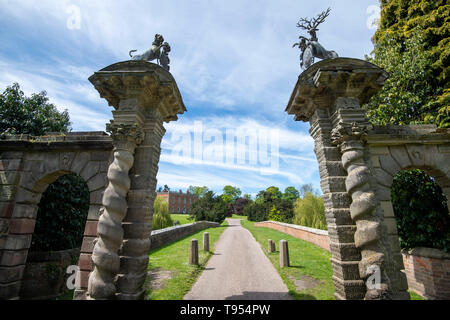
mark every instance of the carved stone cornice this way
{"type": "Point", "coordinates": [147, 82]}
{"type": "Point", "coordinates": [321, 84]}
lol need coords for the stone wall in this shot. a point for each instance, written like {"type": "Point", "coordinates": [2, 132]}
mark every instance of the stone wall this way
{"type": "Point", "coordinates": [45, 274]}
{"type": "Point", "coordinates": [428, 272]}
{"type": "Point", "coordinates": [315, 236]}
{"type": "Point", "coordinates": [165, 236]}
{"type": "Point", "coordinates": [27, 166]}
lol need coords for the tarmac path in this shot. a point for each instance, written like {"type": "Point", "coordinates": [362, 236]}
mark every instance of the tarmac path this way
{"type": "Point", "coordinates": [238, 270]}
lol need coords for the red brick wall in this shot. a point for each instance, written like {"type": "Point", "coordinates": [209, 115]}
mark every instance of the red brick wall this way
{"type": "Point", "coordinates": [428, 277]}
{"type": "Point", "coordinates": [315, 236]}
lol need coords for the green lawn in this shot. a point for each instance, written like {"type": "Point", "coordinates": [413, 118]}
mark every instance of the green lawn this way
{"type": "Point", "coordinates": [183, 218]}
{"type": "Point", "coordinates": [175, 258]}
{"type": "Point", "coordinates": [305, 258]}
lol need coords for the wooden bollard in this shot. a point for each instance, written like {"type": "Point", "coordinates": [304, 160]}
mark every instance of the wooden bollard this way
{"type": "Point", "coordinates": [206, 241]}
{"type": "Point", "coordinates": [271, 246]}
{"type": "Point", "coordinates": [284, 254]}
{"type": "Point", "coordinates": [193, 257]}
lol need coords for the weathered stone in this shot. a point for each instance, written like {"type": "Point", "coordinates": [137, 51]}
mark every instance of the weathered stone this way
{"type": "Point", "coordinates": [389, 165]}
{"type": "Point", "coordinates": [284, 254]}
{"type": "Point", "coordinates": [193, 253]}
{"type": "Point", "coordinates": [206, 241]}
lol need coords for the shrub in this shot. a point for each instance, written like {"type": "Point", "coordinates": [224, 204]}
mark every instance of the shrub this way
{"type": "Point", "coordinates": [239, 206]}
{"type": "Point", "coordinates": [309, 211]}
{"type": "Point", "coordinates": [421, 211]}
{"type": "Point", "coordinates": [161, 215]}
{"type": "Point", "coordinates": [256, 212]}
{"type": "Point", "coordinates": [62, 215]}
{"type": "Point", "coordinates": [210, 207]}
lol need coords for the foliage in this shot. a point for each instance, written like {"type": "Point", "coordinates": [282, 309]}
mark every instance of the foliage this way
{"type": "Point", "coordinates": [265, 202]}
{"type": "Point", "coordinates": [402, 20]}
{"type": "Point", "coordinates": [309, 211]}
{"type": "Point", "coordinates": [199, 191]}
{"type": "Point", "coordinates": [30, 115]}
{"type": "Point", "coordinates": [421, 212]}
{"type": "Point", "coordinates": [230, 194]}
{"type": "Point", "coordinates": [239, 205]}
{"type": "Point", "coordinates": [247, 196]}
{"type": "Point", "coordinates": [62, 215]}
{"type": "Point", "coordinates": [209, 207]}
{"type": "Point", "coordinates": [161, 215]}
{"type": "Point", "coordinates": [408, 96]}
{"type": "Point", "coordinates": [290, 193]}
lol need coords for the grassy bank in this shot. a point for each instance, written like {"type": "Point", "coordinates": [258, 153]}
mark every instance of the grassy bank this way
{"type": "Point", "coordinates": [183, 218]}
{"type": "Point", "coordinates": [174, 275]}
{"type": "Point", "coordinates": [310, 265]}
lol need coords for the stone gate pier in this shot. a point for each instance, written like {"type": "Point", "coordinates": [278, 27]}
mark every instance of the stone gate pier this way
{"type": "Point", "coordinates": [143, 96]}
{"type": "Point", "coordinates": [357, 163]}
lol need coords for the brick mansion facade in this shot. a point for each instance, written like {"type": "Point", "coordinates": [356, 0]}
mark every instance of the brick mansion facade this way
{"type": "Point", "coordinates": [178, 202]}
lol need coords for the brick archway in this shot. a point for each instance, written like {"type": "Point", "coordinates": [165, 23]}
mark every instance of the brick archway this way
{"type": "Point", "coordinates": [26, 173]}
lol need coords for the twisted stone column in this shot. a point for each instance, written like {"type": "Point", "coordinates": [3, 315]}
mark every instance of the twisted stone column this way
{"type": "Point", "coordinates": [110, 233]}
{"type": "Point", "coordinates": [350, 138]}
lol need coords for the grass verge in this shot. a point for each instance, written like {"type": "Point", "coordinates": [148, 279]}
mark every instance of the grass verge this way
{"type": "Point", "coordinates": [174, 258]}
{"type": "Point", "coordinates": [183, 218]}
{"type": "Point", "coordinates": [310, 265]}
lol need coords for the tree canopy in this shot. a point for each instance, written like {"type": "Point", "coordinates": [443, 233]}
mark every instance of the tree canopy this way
{"type": "Point", "coordinates": [412, 43]}
{"type": "Point", "coordinates": [30, 115]}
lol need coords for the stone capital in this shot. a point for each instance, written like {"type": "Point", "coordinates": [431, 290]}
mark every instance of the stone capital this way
{"type": "Point", "coordinates": [345, 134]}
{"type": "Point", "coordinates": [125, 135]}
{"type": "Point", "coordinates": [322, 84]}
{"type": "Point", "coordinates": [130, 86]}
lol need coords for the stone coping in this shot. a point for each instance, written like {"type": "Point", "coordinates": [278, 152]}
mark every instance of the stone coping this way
{"type": "Point", "coordinates": [308, 229]}
{"type": "Point", "coordinates": [72, 140]}
{"type": "Point", "coordinates": [182, 226]}
{"type": "Point", "coordinates": [427, 253]}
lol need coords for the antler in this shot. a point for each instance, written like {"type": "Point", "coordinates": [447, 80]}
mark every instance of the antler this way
{"type": "Point", "coordinates": [312, 24]}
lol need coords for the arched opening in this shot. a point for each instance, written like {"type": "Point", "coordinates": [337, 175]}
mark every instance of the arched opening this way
{"type": "Point", "coordinates": [57, 238]}
{"type": "Point", "coordinates": [423, 228]}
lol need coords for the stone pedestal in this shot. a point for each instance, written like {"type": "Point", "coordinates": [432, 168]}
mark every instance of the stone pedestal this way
{"type": "Point", "coordinates": [329, 95]}
{"type": "Point", "coordinates": [143, 96]}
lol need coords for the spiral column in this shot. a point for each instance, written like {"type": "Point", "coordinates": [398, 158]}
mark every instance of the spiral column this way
{"type": "Point", "coordinates": [350, 138]}
{"type": "Point", "coordinates": [143, 95]}
{"type": "Point", "coordinates": [110, 232]}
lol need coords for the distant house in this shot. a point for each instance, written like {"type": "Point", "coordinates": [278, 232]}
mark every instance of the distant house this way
{"type": "Point", "coordinates": [178, 202]}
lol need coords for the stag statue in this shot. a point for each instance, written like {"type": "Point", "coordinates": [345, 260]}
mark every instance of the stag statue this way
{"type": "Point", "coordinates": [311, 48]}
{"type": "Point", "coordinates": [159, 51]}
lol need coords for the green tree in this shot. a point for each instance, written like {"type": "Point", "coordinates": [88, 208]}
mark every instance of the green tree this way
{"type": "Point", "coordinates": [290, 193]}
{"type": "Point", "coordinates": [415, 27]}
{"type": "Point", "coordinates": [309, 211]}
{"type": "Point", "coordinates": [209, 207]}
{"type": "Point", "coordinates": [199, 191]}
{"type": "Point", "coordinates": [409, 94]}
{"type": "Point", "coordinates": [161, 215]}
{"type": "Point", "coordinates": [30, 115]}
{"type": "Point", "coordinates": [275, 191]}
{"type": "Point", "coordinates": [230, 194]}
{"type": "Point", "coordinates": [247, 196]}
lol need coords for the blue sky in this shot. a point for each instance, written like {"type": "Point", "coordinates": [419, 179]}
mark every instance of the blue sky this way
{"type": "Point", "coordinates": [233, 62]}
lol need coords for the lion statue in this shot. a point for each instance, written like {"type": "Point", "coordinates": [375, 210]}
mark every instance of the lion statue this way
{"type": "Point", "coordinates": [159, 51]}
